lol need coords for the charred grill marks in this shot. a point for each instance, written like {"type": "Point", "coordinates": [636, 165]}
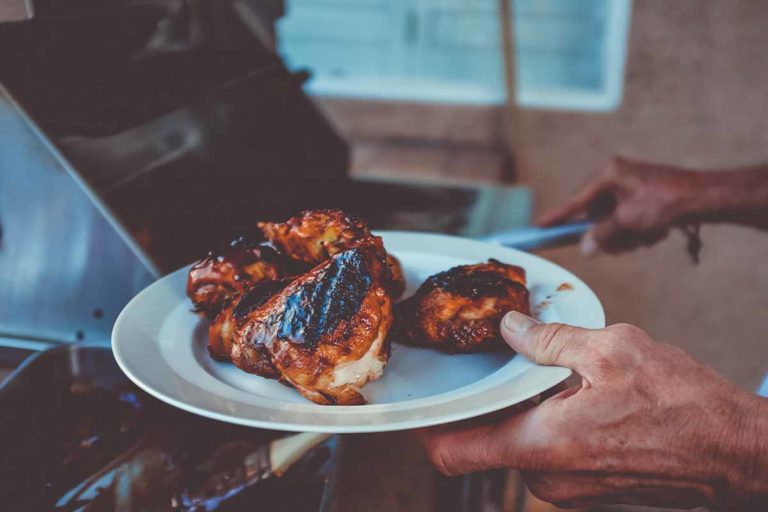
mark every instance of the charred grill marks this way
{"type": "Point", "coordinates": [319, 307]}
{"type": "Point", "coordinates": [257, 296]}
{"type": "Point", "coordinates": [459, 310]}
{"type": "Point", "coordinates": [481, 283]}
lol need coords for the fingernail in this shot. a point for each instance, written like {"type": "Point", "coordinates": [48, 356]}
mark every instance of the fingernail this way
{"type": "Point", "coordinates": [518, 322]}
{"type": "Point", "coordinates": [588, 245]}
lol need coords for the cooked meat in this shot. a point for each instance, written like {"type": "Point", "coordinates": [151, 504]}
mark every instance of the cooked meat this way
{"type": "Point", "coordinates": [315, 235]}
{"type": "Point", "coordinates": [322, 331]}
{"type": "Point", "coordinates": [397, 282]}
{"type": "Point", "coordinates": [459, 310]}
{"type": "Point", "coordinates": [224, 327]}
{"type": "Point", "coordinates": [222, 275]}
{"type": "Point", "coordinates": [325, 332]}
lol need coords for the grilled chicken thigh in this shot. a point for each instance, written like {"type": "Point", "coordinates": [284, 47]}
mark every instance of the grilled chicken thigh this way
{"type": "Point", "coordinates": [222, 275]}
{"type": "Point", "coordinates": [459, 310]}
{"type": "Point", "coordinates": [324, 332]}
{"type": "Point", "coordinates": [315, 235]}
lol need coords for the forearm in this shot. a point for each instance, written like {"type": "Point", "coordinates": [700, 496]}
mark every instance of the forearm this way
{"type": "Point", "coordinates": [747, 463]}
{"type": "Point", "coordinates": [739, 197]}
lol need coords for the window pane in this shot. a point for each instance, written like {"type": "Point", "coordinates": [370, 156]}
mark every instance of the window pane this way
{"type": "Point", "coordinates": [569, 54]}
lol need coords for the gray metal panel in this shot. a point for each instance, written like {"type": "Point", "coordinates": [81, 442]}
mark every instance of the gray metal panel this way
{"type": "Point", "coordinates": [65, 271]}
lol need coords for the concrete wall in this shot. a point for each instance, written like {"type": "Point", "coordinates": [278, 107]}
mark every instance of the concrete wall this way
{"type": "Point", "coordinates": [696, 94]}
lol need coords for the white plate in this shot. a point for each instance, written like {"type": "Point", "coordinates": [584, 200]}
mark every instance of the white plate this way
{"type": "Point", "coordinates": [161, 345]}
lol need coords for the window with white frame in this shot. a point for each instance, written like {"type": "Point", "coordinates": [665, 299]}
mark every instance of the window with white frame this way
{"type": "Point", "coordinates": [569, 54]}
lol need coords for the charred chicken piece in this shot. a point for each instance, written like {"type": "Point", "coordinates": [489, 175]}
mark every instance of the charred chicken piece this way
{"type": "Point", "coordinates": [225, 326]}
{"type": "Point", "coordinates": [325, 333]}
{"type": "Point", "coordinates": [222, 275]}
{"type": "Point", "coordinates": [459, 310]}
{"type": "Point", "coordinates": [315, 235]}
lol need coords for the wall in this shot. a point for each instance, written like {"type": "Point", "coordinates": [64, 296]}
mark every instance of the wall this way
{"type": "Point", "coordinates": [695, 95]}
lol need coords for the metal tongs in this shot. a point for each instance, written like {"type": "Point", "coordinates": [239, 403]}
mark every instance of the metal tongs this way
{"type": "Point", "coordinates": [530, 238]}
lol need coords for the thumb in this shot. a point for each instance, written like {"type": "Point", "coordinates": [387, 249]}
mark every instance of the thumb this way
{"type": "Point", "coordinates": [547, 344]}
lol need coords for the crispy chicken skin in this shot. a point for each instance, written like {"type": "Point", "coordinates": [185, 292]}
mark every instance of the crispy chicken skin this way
{"type": "Point", "coordinates": [459, 310]}
{"type": "Point", "coordinates": [222, 275]}
{"type": "Point", "coordinates": [315, 235]}
{"type": "Point", "coordinates": [224, 327]}
{"type": "Point", "coordinates": [325, 332]}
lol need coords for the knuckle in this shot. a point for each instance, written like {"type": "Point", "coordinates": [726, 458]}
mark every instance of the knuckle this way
{"type": "Point", "coordinates": [611, 348]}
{"type": "Point", "coordinates": [627, 219]}
{"type": "Point", "coordinates": [622, 333]}
{"type": "Point", "coordinates": [439, 456]}
{"type": "Point", "coordinates": [547, 487]}
{"type": "Point", "coordinates": [549, 344]}
{"type": "Point", "coordinates": [625, 345]}
{"type": "Point", "coordinates": [453, 456]}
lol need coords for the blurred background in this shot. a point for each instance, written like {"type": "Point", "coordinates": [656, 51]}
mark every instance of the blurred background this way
{"type": "Point", "coordinates": [137, 133]}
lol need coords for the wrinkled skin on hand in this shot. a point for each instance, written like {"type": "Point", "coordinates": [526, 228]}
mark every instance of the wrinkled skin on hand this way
{"type": "Point", "coordinates": [648, 425]}
{"type": "Point", "coordinates": [637, 203]}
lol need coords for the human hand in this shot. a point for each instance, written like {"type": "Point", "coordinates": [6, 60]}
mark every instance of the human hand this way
{"type": "Point", "coordinates": [648, 425]}
{"type": "Point", "coordinates": [635, 203]}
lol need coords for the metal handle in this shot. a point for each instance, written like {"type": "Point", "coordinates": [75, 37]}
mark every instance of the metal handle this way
{"type": "Point", "coordinates": [527, 239]}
